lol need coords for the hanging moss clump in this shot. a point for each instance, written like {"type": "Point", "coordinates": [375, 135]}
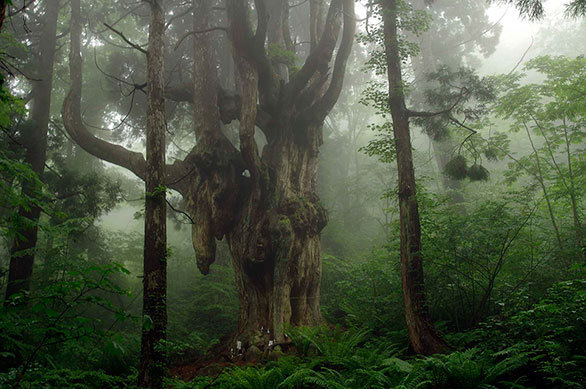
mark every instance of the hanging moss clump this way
{"type": "Point", "coordinates": [478, 173]}
{"type": "Point", "coordinates": [456, 168]}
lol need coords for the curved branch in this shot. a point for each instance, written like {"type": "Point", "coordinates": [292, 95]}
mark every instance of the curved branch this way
{"type": "Point", "coordinates": [320, 57]}
{"type": "Point", "coordinates": [72, 120]}
{"type": "Point", "coordinates": [251, 47]}
{"type": "Point", "coordinates": [320, 110]}
{"type": "Point", "coordinates": [195, 32]}
{"type": "Point", "coordinates": [71, 111]}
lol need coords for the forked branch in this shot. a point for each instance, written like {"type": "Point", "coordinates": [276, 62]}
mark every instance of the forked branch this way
{"type": "Point", "coordinates": [72, 119]}
{"type": "Point", "coordinates": [320, 56]}
{"type": "Point", "coordinates": [320, 110]}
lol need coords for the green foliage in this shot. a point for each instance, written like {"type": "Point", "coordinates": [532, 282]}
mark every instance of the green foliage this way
{"type": "Point", "coordinates": [410, 21]}
{"type": "Point", "coordinates": [518, 350]}
{"type": "Point", "coordinates": [457, 168]}
{"type": "Point", "coordinates": [477, 173]}
{"type": "Point", "coordinates": [13, 175]}
{"type": "Point", "coordinates": [469, 369]}
{"type": "Point", "coordinates": [68, 378]}
{"type": "Point", "coordinates": [551, 115]}
{"type": "Point", "coordinates": [252, 378]}
{"type": "Point", "coordinates": [364, 295]}
{"type": "Point", "coordinates": [459, 95]}
{"type": "Point", "coordinates": [9, 105]}
{"type": "Point", "coordinates": [533, 9]}
{"type": "Point", "coordinates": [56, 319]}
{"type": "Point", "coordinates": [551, 333]}
{"type": "Point", "coordinates": [82, 194]}
{"type": "Point", "coordinates": [278, 53]}
{"type": "Point", "coordinates": [383, 146]}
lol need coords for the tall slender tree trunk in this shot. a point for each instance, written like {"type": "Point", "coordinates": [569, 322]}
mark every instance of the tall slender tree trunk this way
{"type": "Point", "coordinates": [544, 189]}
{"type": "Point", "coordinates": [35, 141]}
{"type": "Point", "coordinates": [422, 334]}
{"type": "Point", "coordinates": [575, 212]}
{"type": "Point", "coordinates": [154, 310]}
{"type": "Point", "coordinates": [3, 7]}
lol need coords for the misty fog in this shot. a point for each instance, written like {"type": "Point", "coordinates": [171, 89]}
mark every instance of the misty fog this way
{"type": "Point", "coordinates": [292, 193]}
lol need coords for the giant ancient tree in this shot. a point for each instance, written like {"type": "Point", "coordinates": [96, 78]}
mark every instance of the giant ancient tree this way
{"type": "Point", "coordinates": [262, 201]}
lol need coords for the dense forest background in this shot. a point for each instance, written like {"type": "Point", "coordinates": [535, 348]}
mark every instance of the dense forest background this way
{"type": "Point", "coordinates": [379, 194]}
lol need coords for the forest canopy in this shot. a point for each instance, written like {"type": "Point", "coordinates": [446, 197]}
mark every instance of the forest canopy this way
{"type": "Point", "coordinates": [292, 193]}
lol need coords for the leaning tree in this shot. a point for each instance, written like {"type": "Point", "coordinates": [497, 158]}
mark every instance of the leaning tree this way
{"type": "Point", "coordinates": [262, 201]}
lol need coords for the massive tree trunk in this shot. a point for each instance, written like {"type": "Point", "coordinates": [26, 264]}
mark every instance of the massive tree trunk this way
{"type": "Point", "coordinates": [422, 334]}
{"type": "Point", "coordinates": [272, 222]}
{"type": "Point", "coordinates": [22, 253]}
{"type": "Point", "coordinates": [278, 261]}
{"type": "Point", "coordinates": [154, 307]}
{"type": "Point", "coordinates": [264, 202]}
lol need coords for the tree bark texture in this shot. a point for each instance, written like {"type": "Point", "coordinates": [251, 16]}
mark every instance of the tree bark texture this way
{"type": "Point", "coordinates": [22, 253]}
{"type": "Point", "coordinates": [422, 334]}
{"type": "Point", "coordinates": [3, 7]}
{"type": "Point", "coordinates": [154, 310]}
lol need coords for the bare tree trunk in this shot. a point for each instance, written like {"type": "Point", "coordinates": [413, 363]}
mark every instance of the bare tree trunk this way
{"type": "Point", "coordinates": [422, 334]}
{"type": "Point", "coordinates": [544, 189]}
{"type": "Point", "coordinates": [3, 6]}
{"type": "Point", "coordinates": [154, 310]}
{"type": "Point", "coordinates": [22, 254]}
{"type": "Point", "coordinates": [575, 212]}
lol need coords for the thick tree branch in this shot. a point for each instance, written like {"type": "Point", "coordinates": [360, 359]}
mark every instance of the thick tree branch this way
{"type": "Point", "coordinates": [72, 119]}
{"type": "Point", "coordinates": [71, 113]}
{"type": "Point", "coordinates": [229, 103]}
{"type": "Point", "coordinates": [248, 113]}
{"type": "Point", "coordinates": [289, 43]}
{"type": "Point", "coordinates": [326, 103]}
{"type": "Point", "coordinates": [262, 22]}
{"type": "Point", "coordinates": [320, 57]}
{"type": "Point", "coordinates": [205, 96]}
{"type": "Point", "coordinates": [315, 14]}
{"type": "Point", "coordinates": [251, 47]}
